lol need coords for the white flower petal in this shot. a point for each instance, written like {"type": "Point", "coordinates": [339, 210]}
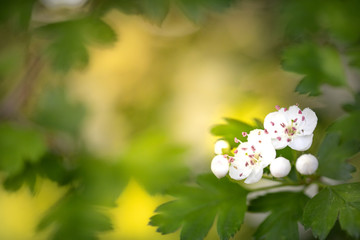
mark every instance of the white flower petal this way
{"type": "Point", "coordinates": [280, 142]}
{"type": "Point", "coordinates": [268, 155]}
{"type": "Point", "coordinates": [293, 113]}
{"type": "Point", "coordinates": [239, 169]}
{"type": "Point", "coordinates": [310, 121]}
{"type": "Point", "coordinates": [258, 136]}
{"type": "Point", "coordinates": [272, 123]}
{"type": "Point", "coordinates": [301, 143]}
{"type": "Point", "coordinates": [219, 166]}
{"type": "Point", "coordinates": [255, 175]}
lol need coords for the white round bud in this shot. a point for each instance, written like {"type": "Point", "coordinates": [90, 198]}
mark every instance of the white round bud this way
{"type": "Point", "coordinates": [280, 167]}
{"type": "Point", "coordinates": [220, 146]}
{"type": "Point", "coordinates": [58, 4]}
{"type": "Point", "coordinates": [220, 166]}
{"type": "Point", "coordinates": [307, 164]}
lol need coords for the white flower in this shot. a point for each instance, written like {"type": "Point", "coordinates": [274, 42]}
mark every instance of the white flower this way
{"type": "Point", "coordinates": [220, 146]}
{"type": "Point", "coordinates": [307, 164]}
{"type": "Point", "coordinates": [291, 127]}
{"type": "Point", "coordinates": [252, 157]}
{"type": "Point", "coordinates": [220, 166]}
{"type": "Point", "coordinates": [57, 4]}
{"type": "Point", "coordinates": [280, 167]}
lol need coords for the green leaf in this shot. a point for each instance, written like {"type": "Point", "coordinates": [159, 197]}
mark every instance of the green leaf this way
{"type": "Point", "coordinates": [320, 64]}
{"type": "Point", "coordinates": [55, 111]}
{"type": "Point", "coordinates": [195, 10]}
{"type": "Point", "coordinates": [321, 212]}
{"type": "Point", "coordinates": [154, 150]}
{"type": "Point", "coordinates": [233, 128]}
{"type": "Point", "coordinates": [75, 218]}
{"type": "Point", "coordinates": [69, 40]}
{"type": "Point", "coordinates": [18, 145]}
{"type": "Point", "coordinates": [195, 209]}
{"type": "Point", "coordinates": [16, 14]}
{"type": "Point", "coordinates": [347, 128]}
{"type": "Point", "coordinates": [155, 10]}
{"type": "Point", "coordinates": [286, 211]}
{"type": "Point", "coordinates": [332, 157]}
{"type": "Point", "coordinates": [355, 106]}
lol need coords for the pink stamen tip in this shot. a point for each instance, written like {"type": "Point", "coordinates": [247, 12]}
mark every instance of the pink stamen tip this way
{"type": "Point", "coordinates": [226, 156]}
{"type": "Point", "coordinates": [295, 120]}
{"type": "Point", "coordinates": [236, 151]}
{"type": "Point", "coordinates": [251, 155]}
{"type": "Point", "coordinates": [260, 141]}
{"type": "Point", "coordinates": [244, 149]}
{"type": "Point", "coordinates": [286, 130]}
{"type": "Point", "coordinates": [252, 163]}
{"type": "Point", "coordinates": [236, 140]}
{"type": "Point", "coordinates": [266, 131]}
{"type": "Point", "coordinates": [275, 131]}
{"type": "Point", "coordinates": [282, 124]}
{"type": "Point", "coordinates": [300, 112]}
{"type": "Point", "coordinates": [246, 164]}
{"type": "Point", "coordinates": [285, 109]}
{"type": "Point", "coordinates": [294, 128]}
{"type": "Point", "coordinates": [240, 174]}
{"type": "Point", "coordinates": [272, 123]}
{"type": "Point", "coordinates": [231, 159]}
{"type": "Point", "coordinates": [253, 148]}
{"type": "Point", "coordinates": [277, 107]}
{"type": "Point", "coordinates": [278, 138]}
{"type": "Point", "coordinates": [288, 140]}
{"type": "Point", "coordinates": [244, 134]}
{"type": "Point", "coordinates": [303, 118]}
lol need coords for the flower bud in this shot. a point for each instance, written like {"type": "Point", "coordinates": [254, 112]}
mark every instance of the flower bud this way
{"type": "Point", "coordinates": [307, 164]}
{"type": "Point", "coordinates": [220, 166]}
{"type": "Point", "coordinates": [280, 167]}
{"type": "Point", "coordinates": [220, 146]}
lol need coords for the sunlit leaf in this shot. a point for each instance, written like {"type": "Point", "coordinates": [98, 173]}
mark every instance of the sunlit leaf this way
{"type": "Point", "coordinates": [18, 145]}
{"type": "Point", "coordinates": [195, 209]}
{"type": "Point", "coordinates": [156, 162]}
{"type": "Point", "coordinates": [233, 128]}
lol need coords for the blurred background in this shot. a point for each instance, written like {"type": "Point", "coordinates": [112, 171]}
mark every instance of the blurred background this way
{"type": "Point", "coordinates": [103, 110]}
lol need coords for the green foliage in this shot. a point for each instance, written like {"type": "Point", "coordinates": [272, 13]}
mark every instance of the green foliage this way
{"type": "Point", "coordinates": [16, 14]}
{"type": "Point", "coordinates": [332, 158]}
{"type": "Point", "coordinates": [286, 211]}
{"type": "Point", "coordinates": [321, 212]}
{"type": "Point", "coordinates": [319, 64]}
{"type": "Point", "coordinates": [195, 209]}
{"type": "Point", "coordinates": [156, 162]}
{"type": "Point", "coordinates": [81, 213]}
{"type": "Point", "coordinates": [69, 40]}
{"type": "Point", "coordinates": [56, 112]}
{"type": "Point", "coordinates": [195, 10]}
{"type": "Point", "coordinates": [19, 145]}
{"type": "Point", "coordinates": [231, 130]}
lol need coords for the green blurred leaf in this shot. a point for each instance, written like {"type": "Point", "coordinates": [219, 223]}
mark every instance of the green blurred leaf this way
{"type": "Point", "coordinates": [14, 182]}
{"type": "Point", "coordinates": [18, 145]}
{"type": "Point", "coordinates": [321, 212]}
{"type": "Point", "coordinates": [320, 64]}
{"type": "Point", "coordinates": [195, 209]}
{"type": "Point", "coordinates": [55, 111]}
{"type": "Point", "coordinates": [69, 40]}
{"type": "Point", "coordinates": [75, 218]}
{"type": "Point", "coordinates": [355, 106]}
{"type": "Point", "coordinates": [195, 10]}
{"type": "Point", "coordinates": [156, 162]}
{"type": "Point", "coordinates": [286, 211]}
{"type": "Point", "coordinates": [16, 14]}
{"type": "Point", "coordinates": [233, 128]}
{"type": "Point", "coordinates": [101, 181]}
{"type": "Point", "coordinates": [332, 157]}
{"type": "Point", "coordinates": [347, 127]}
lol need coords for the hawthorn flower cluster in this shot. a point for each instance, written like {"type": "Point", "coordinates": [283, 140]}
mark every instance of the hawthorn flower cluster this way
{"type": "Point", "coordinates": [290, 127]}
